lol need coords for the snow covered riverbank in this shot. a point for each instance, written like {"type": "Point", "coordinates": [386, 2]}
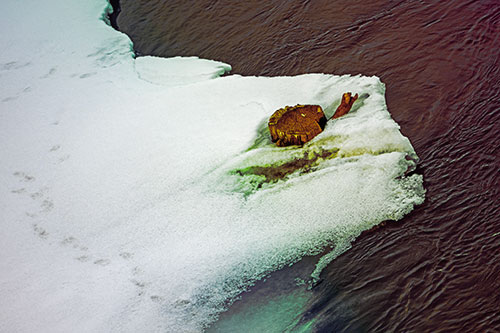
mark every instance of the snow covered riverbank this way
{"type": "Point", "coordinates": [121, 204]}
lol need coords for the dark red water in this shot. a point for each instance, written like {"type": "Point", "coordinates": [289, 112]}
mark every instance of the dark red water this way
{"type": "Point", "coordinates": [439, 268]}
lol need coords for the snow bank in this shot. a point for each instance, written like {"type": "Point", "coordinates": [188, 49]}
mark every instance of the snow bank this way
{"type": "Point", "coordinates": [178, 71]}
{"type": "Point", "coordinates": [131, 206]}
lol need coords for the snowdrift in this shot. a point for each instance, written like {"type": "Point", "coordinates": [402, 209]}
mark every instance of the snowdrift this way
{"type": "Point", "coordinates": [145, 194]}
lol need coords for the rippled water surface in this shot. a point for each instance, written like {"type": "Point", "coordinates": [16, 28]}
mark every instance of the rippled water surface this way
{"type": "Point", "coordinates": [439, 268]}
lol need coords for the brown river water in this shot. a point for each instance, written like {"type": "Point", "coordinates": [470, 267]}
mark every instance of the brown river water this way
{"type": "Point", "coordinates": [437, 270]}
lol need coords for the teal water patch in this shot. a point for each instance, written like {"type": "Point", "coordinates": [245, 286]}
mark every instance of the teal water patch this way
{"type": "Point", "coordinates": [275, 304]}
{"type": "Point", "coordinates": [276, 314]}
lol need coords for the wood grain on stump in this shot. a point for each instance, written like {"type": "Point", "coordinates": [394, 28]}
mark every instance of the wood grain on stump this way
{"type": "Point", "coordinates": [296, 125]}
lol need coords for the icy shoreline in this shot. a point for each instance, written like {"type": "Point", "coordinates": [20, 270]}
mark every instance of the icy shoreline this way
{"type": "Point", "coordinates": [121, 210]}
{"type": "Point", "coordinates": [113, 16]}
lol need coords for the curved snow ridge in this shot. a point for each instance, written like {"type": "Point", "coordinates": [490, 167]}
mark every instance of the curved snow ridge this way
{"type": "Point", "coordinates": [178, 71]}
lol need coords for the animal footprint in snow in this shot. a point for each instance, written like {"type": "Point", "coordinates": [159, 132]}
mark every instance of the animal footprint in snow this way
{"type": "Point", "coordinates": [36, 195]}
{"type": "Point", "coordinates": [137, 283]}
{"type": "Point", "coordinates": [86, 75]}
{"type": "Point", "coordinates": [23, 177]}
{"type": "Point", "coordinates": [156, 298]}
{"type": "Point", "coordinates": [63, 158]}
{"type": "Point", "coordinates": [126, 255]}
{"type": "Point", "coordinates": [74, 243]}
{"type": "Point", "coordinates": [13, 65]}
{"type": "Point", "coordinates": [83, 258]}
{"type": "Point", "coordinates": [70, 241]}
{"type": "Point", "coordinates": [55, 147]}
{"type": "Point", "coordinates": [51, 72]}
{"type": "Point", "coordinates": [41, 232]}
{"type": "Point", "coordinates": [102, 262]}
{"type": "Point", "coordinates": [19, 191]}
{"type": "Point", "coordinates": [47, 206]}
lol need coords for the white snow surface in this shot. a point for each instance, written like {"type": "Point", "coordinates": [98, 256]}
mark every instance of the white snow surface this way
{"type": "Point", "coordinates": [178, 71]}
{"type": "Point", "coordinates": [129, 199]}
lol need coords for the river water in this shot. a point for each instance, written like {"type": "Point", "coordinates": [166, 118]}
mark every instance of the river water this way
{"type": "Point", "coordinates": [439, 268]}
